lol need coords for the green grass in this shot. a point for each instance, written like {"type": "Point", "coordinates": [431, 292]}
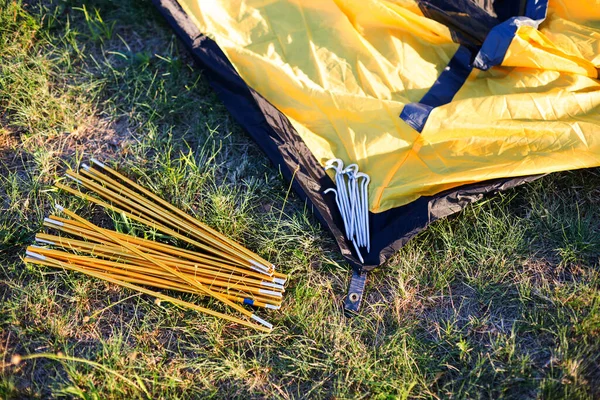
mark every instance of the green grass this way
{"type": "Point", "coordinates": [501, 301]}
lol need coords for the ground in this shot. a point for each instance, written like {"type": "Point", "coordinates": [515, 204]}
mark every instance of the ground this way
{"type": "Point", "coordinates": [501, 301]}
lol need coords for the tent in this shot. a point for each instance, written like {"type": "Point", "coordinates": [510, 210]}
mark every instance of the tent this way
{"type": "Point", "coordinates": [440, 102]}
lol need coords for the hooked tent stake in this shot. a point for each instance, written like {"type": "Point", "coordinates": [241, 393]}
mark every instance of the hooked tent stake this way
{"type": "Point", "coordinates": [353, 203]}
{"type": "Point", "coordinates": [365, 209]}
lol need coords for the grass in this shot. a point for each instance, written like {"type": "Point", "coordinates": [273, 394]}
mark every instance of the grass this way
{"type": "Point", "coordinates": [502, 300]}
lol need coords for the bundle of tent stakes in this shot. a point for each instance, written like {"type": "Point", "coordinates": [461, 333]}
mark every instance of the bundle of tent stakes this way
{"type": "Point", "coordinates": [219, 267]}
{"type": "Point", "coordinates": [352, 199]}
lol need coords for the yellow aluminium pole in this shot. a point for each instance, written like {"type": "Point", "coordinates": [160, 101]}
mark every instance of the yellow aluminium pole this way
{"type": "Point", "coordinates": [178, 222]}
{"type": "Point", "coordinates": [132, 248]}
{"type": "Point", "coordinates": [142, 273]}
{"type": "Point", "coordinates": [152, 246]}
{"type": "Point", "coordinates": [226, 242]}
{"type": "Point", "coordinates": [137, 208]}
{"type": "Point", "coordinates": [138, 269]}
{"type": "Point", "coordinates": [176, 210]}
{"type": "Point", "coordinates": [275, 301]}
{"type": "Point", "coordinates": [75, 228]}
{"type": "Point", "coordinates": [64, 224]}
{"type": "Point", "coordinates": [72, 228]}
{"type": "Point", "coordinates": [114, 253]}
{"type": "Point", "coordinates": [149, 223]}
{"type": "Point", "coordinates": [39, 259]}
{"type": "Point", "coordinates": [253, 301]}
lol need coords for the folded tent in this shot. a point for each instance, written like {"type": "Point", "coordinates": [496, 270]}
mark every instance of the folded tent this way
{"type": "Point", "coordinates": [439, 102]}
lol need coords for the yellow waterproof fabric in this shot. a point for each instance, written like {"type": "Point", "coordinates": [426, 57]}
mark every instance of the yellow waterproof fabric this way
{"type": "Point", "coordinates": [342, 71]}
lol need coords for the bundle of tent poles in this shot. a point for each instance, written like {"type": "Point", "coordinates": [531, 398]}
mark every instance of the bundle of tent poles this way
{"type": "Point", "coordinates": [218, 267]}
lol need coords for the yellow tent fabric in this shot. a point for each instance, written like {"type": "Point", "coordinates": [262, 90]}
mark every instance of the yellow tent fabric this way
{"type": "Point", "coordinates": [342, 71]}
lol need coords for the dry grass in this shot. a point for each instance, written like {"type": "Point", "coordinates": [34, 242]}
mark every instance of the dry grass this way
{"type": "Point", "coordinates": [500, 301]}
